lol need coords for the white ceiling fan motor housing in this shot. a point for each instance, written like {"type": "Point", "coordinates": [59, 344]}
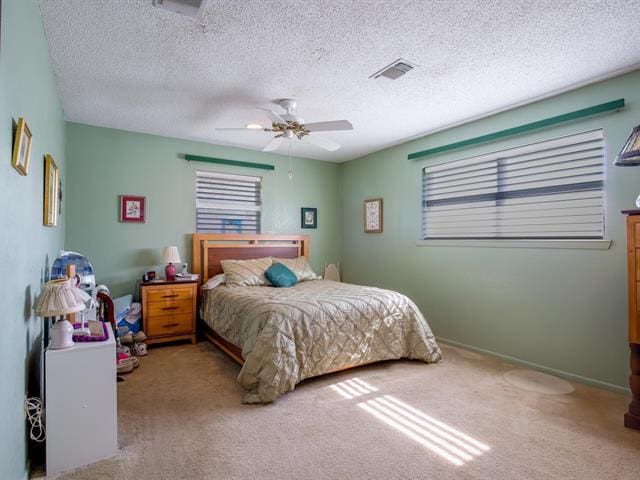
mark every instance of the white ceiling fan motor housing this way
{"type": "Point", "coordinates": [289, 106]}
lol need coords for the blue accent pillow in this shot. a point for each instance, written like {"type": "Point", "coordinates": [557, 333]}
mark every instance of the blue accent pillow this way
{"type": "Point", "coordinates": [280, 276]}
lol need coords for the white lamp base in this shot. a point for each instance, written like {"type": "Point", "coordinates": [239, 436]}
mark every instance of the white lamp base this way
{"type": "Point", "coordinates": [61, 335]}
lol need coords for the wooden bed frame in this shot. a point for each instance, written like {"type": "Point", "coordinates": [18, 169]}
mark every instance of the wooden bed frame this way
{"type": "Point", "coordinates": [210, 248]}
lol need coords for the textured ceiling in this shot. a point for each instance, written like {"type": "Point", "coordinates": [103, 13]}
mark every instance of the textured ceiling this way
{"type": "Point", "coordinates": [126, 64]}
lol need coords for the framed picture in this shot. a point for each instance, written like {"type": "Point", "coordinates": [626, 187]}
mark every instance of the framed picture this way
{"type": "Point", "coordinates": [373, 215]}
{"type": "Point", "coordinates": [308, 217]}
{"type": "Point", "coordinates": [50, 192]}
{"type": "Point", "coordinates": [21, 148]}
{"type": "Point", "coordinates": [132, 208]}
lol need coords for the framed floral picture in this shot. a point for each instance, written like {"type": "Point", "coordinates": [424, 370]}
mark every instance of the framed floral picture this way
{"type": "Point", "coordinates": [21, 148]}
{"type": "Point", "coordinates": [50, 218]}
{"type": "Point", "coordinates": [132, 208]}
{"type": "Point", "coordinates": [308, 217]}
{"type": "Point", "coordinates": [373, 215]}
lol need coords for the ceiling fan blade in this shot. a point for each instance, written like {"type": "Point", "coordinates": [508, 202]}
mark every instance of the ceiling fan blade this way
{"type": "Point", "coordinates": [329, 126]}
{"type": "Point", "coordinates": [239, 129]}
{"type": "Point", "coordinates": [274, 116]}
{"type": "Point", "coordinates": [273, 144]}
{"type": "Point", "coordinates": [321, 142]}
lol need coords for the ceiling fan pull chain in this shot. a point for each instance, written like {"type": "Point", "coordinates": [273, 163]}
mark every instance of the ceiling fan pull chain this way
{"type": "Point", "coordinates": [290, 161]}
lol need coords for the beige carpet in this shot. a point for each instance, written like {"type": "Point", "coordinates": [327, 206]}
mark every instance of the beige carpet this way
{"type": "Point", "coordinates": [180, 417]}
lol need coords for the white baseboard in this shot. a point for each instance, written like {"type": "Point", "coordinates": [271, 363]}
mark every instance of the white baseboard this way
{"type": "Point", "coordinates": [542, 368]}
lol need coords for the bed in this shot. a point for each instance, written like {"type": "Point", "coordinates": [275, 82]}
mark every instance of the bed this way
{"type": "Point", "coordinates": [282, 336]}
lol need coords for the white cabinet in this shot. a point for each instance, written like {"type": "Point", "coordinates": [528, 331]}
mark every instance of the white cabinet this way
{"type": "Point", "coordinates": [81, 404]}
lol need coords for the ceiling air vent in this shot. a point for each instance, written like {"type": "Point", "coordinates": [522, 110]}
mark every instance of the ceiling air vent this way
{"type": "Point", "coordinates": [191, 8]}
{"type": "Point", "coordinates": [395, 69]}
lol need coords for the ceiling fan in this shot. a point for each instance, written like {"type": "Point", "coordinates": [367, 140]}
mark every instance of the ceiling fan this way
{"type": "Point", "coordinates": [288, 126]}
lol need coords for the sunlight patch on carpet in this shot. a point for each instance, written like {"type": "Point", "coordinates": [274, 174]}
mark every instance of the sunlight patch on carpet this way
{"type": "Point", "coordinates": [354, 387]}
{"type": "Point", "coordinates": [436, 436]}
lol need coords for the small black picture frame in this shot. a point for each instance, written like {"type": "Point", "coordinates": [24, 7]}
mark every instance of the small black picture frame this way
{"type": "Point", "coordinates": [308, 217]}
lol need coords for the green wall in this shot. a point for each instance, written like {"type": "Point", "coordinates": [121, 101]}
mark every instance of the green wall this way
{"type": "Point", "coordinates": [27, 89]}
{"type": "Point", "coordinates": [104, 163]}
{"type": "Point", "coordinates": [560, 309]}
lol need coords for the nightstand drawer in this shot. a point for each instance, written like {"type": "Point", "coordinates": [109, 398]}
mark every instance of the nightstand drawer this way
{"type": "Point", "coordinates": [169, 324]}
{"type": "Point", "coordinates": [169, 307]}
{"type": "Point", "coordinates": [169, 311]}
{"type": "Point", "coordinates": [168, 294]}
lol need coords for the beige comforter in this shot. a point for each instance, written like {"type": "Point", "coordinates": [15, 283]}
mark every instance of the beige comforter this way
{"type": "Point", "coordinates": [313, 328]}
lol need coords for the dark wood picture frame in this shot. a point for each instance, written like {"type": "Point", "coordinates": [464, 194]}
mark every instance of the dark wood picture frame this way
{"type": "Point", "coordinates": [307, 213]}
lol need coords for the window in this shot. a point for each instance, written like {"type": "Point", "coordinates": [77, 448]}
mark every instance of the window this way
{"type": "Point", "coordinates": [227, 203]}
{"type": "Point", "coordinates": [552, 189]}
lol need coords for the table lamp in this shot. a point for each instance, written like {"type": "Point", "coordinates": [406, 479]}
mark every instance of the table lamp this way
{"type": "Point", "coordinates": [59, 298]}
{"type": "Point", "coordinates": [170, 255]}
{"type": "Point", "coordinates": [629, 156]}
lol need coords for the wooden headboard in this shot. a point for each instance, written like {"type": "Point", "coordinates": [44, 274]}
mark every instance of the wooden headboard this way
{"type": "Point", "coordinates": [210, 248]}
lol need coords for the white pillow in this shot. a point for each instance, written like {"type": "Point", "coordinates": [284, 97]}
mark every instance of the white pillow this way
{"type": "Point", "coordinates": [213, 282]}
{"type": "Point", "coordinates": [246, 273]}
{"type": "Point", "coordinates": [299, 266]}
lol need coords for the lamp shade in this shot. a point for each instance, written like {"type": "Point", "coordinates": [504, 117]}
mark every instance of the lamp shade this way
{"type": "Point", "coordinates": [171, 255]}
{"type": "Point", "coordinates": [629, 156]}
{"type": "Point", "coordinates": [60, 297]}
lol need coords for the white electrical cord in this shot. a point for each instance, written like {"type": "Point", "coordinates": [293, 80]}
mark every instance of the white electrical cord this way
{"type": "Point", "coordinates": [34, 411]}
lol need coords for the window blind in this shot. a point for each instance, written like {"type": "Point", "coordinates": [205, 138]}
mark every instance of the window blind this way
{"type": "Point", "coordinates": [551, 189]}
{"type": "Point", "coordinates": [227, 203]}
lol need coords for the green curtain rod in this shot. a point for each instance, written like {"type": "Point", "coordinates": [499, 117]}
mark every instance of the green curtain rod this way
{"type": "Point", "coordinates": [585, 112]}
{"type": "Point", "coordinates": [224, 161]}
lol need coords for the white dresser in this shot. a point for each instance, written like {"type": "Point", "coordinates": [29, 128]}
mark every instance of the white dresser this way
{"type": "Point", "coordinates": [81, 404]}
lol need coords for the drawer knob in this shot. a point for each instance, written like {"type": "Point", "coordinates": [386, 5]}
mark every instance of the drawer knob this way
{"type": "Point", "coordinates": [169, 308]}
{"type": "Point", "coordinates": [170, 296]}
{"type": "Point", "coordinates": [169, 325]}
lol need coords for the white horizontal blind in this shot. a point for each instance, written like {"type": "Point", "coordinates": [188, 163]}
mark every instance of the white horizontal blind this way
{"type": "Point", "coordinates": [227, 203]}
{"type": "Point", "coordinates": [550, 189]}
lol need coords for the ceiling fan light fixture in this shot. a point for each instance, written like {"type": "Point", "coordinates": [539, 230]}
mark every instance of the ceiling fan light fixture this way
{"type": "Point", "coordinates": [288, 126]}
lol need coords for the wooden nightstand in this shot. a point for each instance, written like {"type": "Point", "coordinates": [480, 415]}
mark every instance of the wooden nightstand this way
{"type": "Point", "coordinates": [169, 311]}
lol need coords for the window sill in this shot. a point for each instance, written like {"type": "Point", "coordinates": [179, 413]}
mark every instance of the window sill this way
{"type": "Point", "coordinates": [526, 243]}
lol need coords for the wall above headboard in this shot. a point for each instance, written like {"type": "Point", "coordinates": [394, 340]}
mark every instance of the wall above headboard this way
{"type": "Point", "coordinates": [104, 163]}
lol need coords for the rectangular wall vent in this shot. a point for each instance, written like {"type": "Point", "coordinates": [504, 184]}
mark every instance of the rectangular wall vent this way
{"type": "Point", "coordinates": [395, 69]}
{"type": "Point", "coordinates": [190, 8]}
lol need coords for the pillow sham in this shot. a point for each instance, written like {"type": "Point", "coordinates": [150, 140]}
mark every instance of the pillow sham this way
{"type": "Point", "coordinates": [299, 266]}
{"type": "Point", "coordinates": [246, 273]}
{"type": "Point", "coordinates": [213, 282]}
{"type": "Point", "coordinates": [280, 276]}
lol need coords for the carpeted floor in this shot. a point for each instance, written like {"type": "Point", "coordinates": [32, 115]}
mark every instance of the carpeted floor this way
{"type": "Point", "coordinates": [469, 417]}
